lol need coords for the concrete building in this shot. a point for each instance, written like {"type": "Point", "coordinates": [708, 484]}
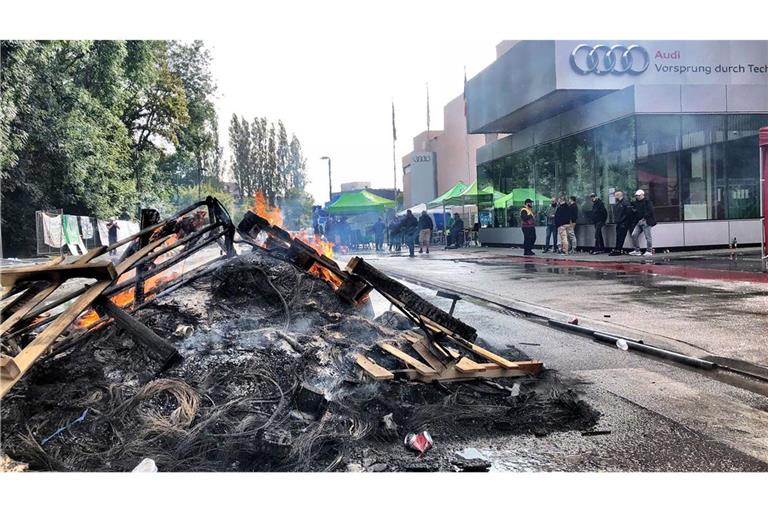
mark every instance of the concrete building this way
{"type": "Point", "coordinates": [440, 158]}
{"type": "Point", "coordinates": [678, 119]}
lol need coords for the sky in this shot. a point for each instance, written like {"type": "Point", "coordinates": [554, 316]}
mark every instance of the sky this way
{"type": "Point", "coordinates": [330, 69]}
{"type": "Point", "coordinates": [335, 93]}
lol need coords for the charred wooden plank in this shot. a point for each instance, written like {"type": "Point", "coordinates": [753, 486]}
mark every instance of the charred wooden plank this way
{"type": "Point", "coordinates": [44, 293]}
{"type": "Point", "coordinates": [102, 270]}
{"type": "Point", "coordinates": [159, 349]}
{"type": "Point", "coordinates": [43, 341]}
{"type": "Point", "coordinates": [415, 304]}
{"type": "Point", "coordinates": [410, 361]}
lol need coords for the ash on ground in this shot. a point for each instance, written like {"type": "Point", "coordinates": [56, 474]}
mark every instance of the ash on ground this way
{"type": "Point", "coordinates": [268, 383]}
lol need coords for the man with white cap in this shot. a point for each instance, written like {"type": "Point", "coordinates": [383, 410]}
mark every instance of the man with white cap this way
{"type": "Point", "coordinates": [646, 219]}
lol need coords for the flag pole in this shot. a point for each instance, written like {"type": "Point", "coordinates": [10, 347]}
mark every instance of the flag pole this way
{"type": "Point", "coordinates": [394, 154]}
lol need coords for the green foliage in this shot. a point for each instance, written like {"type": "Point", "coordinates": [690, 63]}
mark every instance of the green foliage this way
{"type": "Point", "coordinates": [264, 159]}
{"type": "Point", "coordinates": [100, 128]}
{"type": "Point", "coordinates": [191, 194]}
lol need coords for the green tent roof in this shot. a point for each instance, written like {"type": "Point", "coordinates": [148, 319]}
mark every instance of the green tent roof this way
{"type": "Point", "coordinates": [517, 196]}
{"type": "Point", "coordinates": [472, 196]}
{"type": "Point", "coordinates": [455, 190]}
{"type": "Point", "coordinates": [362, 201]}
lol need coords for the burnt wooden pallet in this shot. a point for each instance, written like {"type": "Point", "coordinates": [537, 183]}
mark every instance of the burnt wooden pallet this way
{"type": "Point", "coordinates": [409, 301]}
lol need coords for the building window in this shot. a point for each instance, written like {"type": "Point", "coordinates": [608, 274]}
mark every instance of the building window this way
{"type": "Point", "coordinates": [615, 160]}
{"type": "Point", "coordinates": [578, 172]}
{"type": "Point", "coordinates": [702, 167]}
{"type": "Point", "coordinates": [742, 165]}
{"type": "Point", "coordinates": [658, 147]}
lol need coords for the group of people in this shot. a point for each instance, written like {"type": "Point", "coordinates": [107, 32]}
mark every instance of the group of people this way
{"type": "Point", "coordinates": [636, 218]}
{"type": "Point", "coordinates": [407, 231]}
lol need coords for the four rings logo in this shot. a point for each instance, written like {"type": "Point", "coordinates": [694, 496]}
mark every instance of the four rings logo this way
{"type": "Point", "coordinates": [602, 59]}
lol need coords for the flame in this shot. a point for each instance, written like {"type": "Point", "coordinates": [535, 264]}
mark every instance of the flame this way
{"type": "Point", "coordinates": [324, 273]}
{"type": "Point", "coordinates": [262, 208]}
{"type": "Point", "coordinates": [126, 297]}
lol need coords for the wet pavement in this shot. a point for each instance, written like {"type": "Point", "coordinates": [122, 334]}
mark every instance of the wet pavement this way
{"type": "Point", "coordinates": [655, 416]}
{"type": "Point", "coordinates": [699, 317]}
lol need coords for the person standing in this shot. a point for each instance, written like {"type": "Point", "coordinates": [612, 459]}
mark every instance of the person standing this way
{"type": "Point", "coordinates": [549, 215]}
{"type": "Point", "coordinates": [409, 226]}
{"type": "Point", "coordinates": [528, 222]}
{"type": "Point", "coordinates": [622, 216]}
{"type": "Point", "coordinates": [599, 216]}
{"type": "Point", "coordinates": [562, 220]}
{"type": "Point", "coordinates": [571, 228]}
{"type": "Point", "coordinates": [425, 231]}
{"type": "Point", "coordinates": [112, 228]}
{"type": "Point", "coordinates": [456, 235]}
{"type": "Point", "coordinates": [378, 234]}
{"type": "Point", "coordinates": [394, 235]}
{"type": "Point", "coordinates": [646, 219]}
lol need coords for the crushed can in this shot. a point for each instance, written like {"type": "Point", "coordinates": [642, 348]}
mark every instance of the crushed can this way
{"type": "Point", "coordinates": [420, 442]}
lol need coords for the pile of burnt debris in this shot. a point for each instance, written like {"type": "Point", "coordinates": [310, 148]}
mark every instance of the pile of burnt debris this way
{"type": "Point", "coordinates": [269, 360]}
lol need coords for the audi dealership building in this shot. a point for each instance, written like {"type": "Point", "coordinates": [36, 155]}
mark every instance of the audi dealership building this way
{"type": "Point", "coordinates": [679, 119]}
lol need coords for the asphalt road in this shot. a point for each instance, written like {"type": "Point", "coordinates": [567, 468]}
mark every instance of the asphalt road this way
{"type": "Point", "coordinates": [661, 417]}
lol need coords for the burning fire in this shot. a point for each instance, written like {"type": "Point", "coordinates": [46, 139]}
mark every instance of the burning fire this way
{"type": "Point", "coordinates": [262, 208]}
{"type": "Point", "coordinates": [274, 215]}
{"type": "Point", "coordinates": [126, 297]}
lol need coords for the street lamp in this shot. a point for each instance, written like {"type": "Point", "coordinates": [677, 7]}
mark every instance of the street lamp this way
{"type": "Point", "coordinates": [330, 193]}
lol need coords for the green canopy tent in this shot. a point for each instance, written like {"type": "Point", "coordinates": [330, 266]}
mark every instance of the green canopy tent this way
{"type": "Point", "coordinates": [362, 201]}
{"type": "Point", "coordinates": [518, 196]}
{"type": "Point", "coordinates": [454, 191]}
{"type": "Point", "coordinates": [471, 196]}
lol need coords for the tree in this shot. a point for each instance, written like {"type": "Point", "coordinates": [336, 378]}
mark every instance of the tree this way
{"type": "Point", "coordinates": [99, 127]}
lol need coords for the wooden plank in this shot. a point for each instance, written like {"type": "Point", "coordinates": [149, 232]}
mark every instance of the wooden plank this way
{"type": "Point", "coordinates": [414, 304]}
{"type": "Point", "coordinates": [454, 375]}
{"type": "Point", "coordinates": [8, 368]}
{"type": "Point", "coordinates": [102, 270]}
{"type": "Point", "coordinates": [373, 369]}
{"type": "Point", "coordinates": [43, 341]}
{"type": "Point", "coordinates": [411, 361]}
{"type": "Point", "coordinates": [466, 365]}
{"type": "Point", "coordinates": [420, 346]}
{"type": "Point", "coordinates": [43, 294]}
{"type": "Point", "coordinates": [159, 349]}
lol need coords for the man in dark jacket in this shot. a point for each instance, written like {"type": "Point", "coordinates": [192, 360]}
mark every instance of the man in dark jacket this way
{"type": "Point", "coordinates": [562, 221]}
{"type": "Point", "coordinates": [456, 236]}
{"type": "Point", "coordinates": [622, 216]}
{"type": "Point", "coordinates": [642, 209]}
{"type": "Point", "coordinates": [409, 227]}
{"type": "Point", "coordinates": [599, 216]}
{"type": "Point", "coordinates": [378, 234]}
{"type": "Point", "coordinates": [528, 222]}
{"type": "Point", "coordinates": [395, 236]}
{"type": "Point", "coordinates": [549, 215]}
{"type": "Point", "coordinates": [425, 231]}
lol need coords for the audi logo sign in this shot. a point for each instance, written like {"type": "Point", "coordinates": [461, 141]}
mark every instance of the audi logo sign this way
{"type": "Point", "coordinates": [602, 59]}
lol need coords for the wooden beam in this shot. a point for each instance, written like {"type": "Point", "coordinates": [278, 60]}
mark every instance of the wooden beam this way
{"type": "Point", "coordinates": [453, 375]}
{"type": "Point", "coordinates": [371, 368]}
{"type": "Point", "coordinates": [160, 349]}
{"type": "Point", "coordinates": [43, 341]}
{"type": "Point", "coordinates": [411, 301]}
{"type": "Point", "coordinates": [8, 368]}
{"type": "Point", "coordinates": [420, 346]}
{"type": "Point", "coordinates": [102, 271]}
{"type": "Point", "coordinates": [43, 294]}
{"type": "Point", "coordinates": [410, 361]}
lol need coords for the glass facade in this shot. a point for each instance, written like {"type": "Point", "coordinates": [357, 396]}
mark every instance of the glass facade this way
{"type": "Point", "coordinates": [692, 167]}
